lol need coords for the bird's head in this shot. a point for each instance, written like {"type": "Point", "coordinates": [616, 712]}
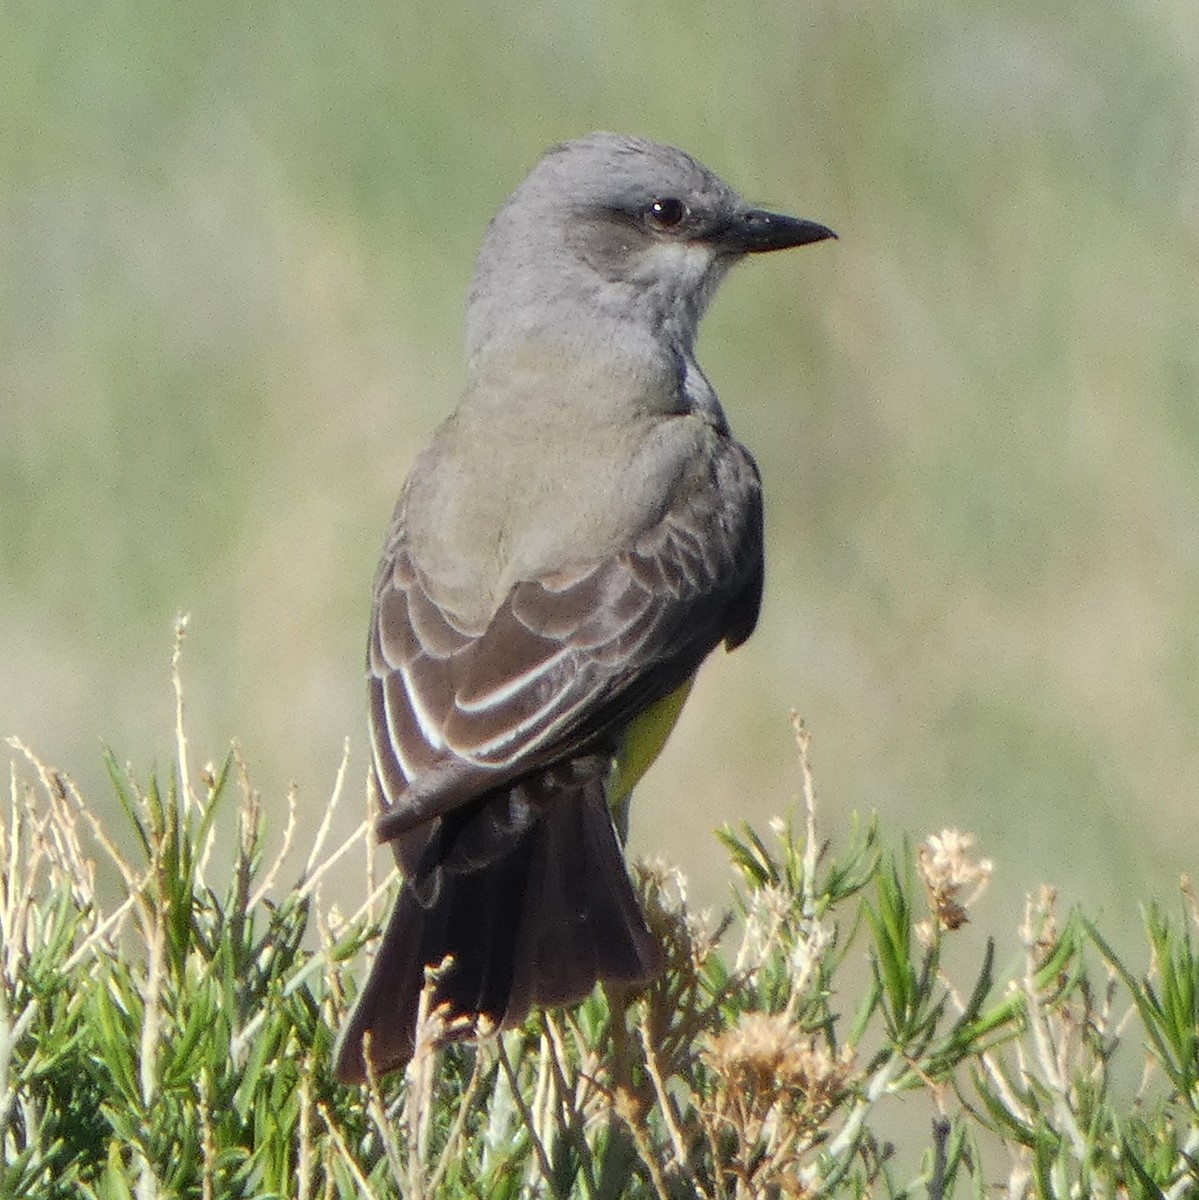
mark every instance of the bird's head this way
{"type": "Point", "coordinates": [616, 231]}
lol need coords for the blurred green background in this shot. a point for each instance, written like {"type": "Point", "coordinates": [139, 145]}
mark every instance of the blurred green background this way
{"type": "Point", "coordinates": [236, 241]}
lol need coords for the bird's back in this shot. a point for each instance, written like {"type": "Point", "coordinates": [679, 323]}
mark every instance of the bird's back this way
{"type": "Point", "coordinates": [562, 484]}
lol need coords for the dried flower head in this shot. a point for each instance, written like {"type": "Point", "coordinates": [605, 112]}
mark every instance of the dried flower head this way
{"type": "Point", "coordinates": [954, 878]}
{"type": "Point", "coordinates": [1040, 921]}
{"type": "Point", "coordinates": [775, 1089]}
{"type": "Point", "coordinates": [664, 884]}
{"type": "Point", "coordinates": [687, 937]}
{"type": "Point", "coordinates": [768, 1059]}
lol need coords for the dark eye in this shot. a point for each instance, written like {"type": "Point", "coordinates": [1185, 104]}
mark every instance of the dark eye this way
{"type": "Point", "coordinates": [666, 212]}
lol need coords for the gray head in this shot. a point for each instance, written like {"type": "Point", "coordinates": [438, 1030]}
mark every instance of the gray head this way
{"type": "Point", "coordinates": [615, 238]}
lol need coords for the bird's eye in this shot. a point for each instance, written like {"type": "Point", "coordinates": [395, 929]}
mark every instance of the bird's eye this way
{"type": "Point", "coordinates": [666, 212]}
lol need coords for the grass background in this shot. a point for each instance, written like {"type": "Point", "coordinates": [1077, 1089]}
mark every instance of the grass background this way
{"type": "Point", "coordinates": [235, 243]}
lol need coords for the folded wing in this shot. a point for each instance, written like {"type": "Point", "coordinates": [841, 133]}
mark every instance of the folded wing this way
{"type": "Point", "coordinates": [565, 661]}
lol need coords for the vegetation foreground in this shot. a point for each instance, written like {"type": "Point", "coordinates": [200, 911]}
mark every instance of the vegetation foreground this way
{"type": "Point", "coordinates": [170, 1036]}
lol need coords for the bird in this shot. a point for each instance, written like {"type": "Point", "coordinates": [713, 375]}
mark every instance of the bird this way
{"type": "Point", "coordinates": [581, 532]}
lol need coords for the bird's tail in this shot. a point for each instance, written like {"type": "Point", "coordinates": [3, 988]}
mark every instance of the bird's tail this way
{"type": "Point", "coordinates": [528, 891]}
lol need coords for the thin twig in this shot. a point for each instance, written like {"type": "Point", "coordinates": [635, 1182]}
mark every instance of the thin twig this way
{"type": "Point", "coordinates": [1053, 1074]}
{"type": "Point", "coordinates": [570, 1100]}
{"type": "Point", "coordinates": [268, 880]}
{"type": "Point", "coordinates": [543, 1161]}
{"type": "Point", "coordinates": [351, 1163]}
{"type": "Point", "coordinates": [208, 1151]}
{"type": "Point", "coordinates": [322, 832]}
{"type": "Point", "coordinates": [803, 739]}
{"type": "Point", "coordinates": [452, 1151]}
{"type": "Point", "coordinates": [378, 1114]}
{"type": "Point", "coordinates": [654, 1070]}
{"type": "Point", "coordinates": [650, 1159]}
{"type": "Point", "coordinates": [311, 880]}
{"type": "Point", "coordinates": [181, 623]}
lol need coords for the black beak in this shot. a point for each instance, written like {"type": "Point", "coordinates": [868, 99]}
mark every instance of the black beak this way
{"type": "Point", "coordinates": [753, 231]}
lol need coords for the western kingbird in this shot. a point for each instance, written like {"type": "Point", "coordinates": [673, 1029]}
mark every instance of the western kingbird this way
{"type": "Point", "coordinates": [578, 536]}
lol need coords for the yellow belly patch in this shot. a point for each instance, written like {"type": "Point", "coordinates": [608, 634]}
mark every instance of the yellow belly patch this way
{"type": "Point", "coordinates": [639, 745]}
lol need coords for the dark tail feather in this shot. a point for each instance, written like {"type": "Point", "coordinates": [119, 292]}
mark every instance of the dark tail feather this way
{"type": "Point", "coordinates": [533, 911]}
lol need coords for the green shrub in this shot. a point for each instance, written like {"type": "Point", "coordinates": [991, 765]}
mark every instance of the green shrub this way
{"type": "Point", "coordinates": [169, 1037]}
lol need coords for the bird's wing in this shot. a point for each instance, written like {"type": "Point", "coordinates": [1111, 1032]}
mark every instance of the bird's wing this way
{"type": "Point", "coordinates": [567, 659]}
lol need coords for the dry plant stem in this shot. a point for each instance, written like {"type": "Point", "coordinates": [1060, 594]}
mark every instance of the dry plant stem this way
{"type": "Point", "coordinates": [418, 1100]}
{"type": "Point", "coordinates": [58, 833]}
{"type": "Point", "coordinates": [55, 840]}
{"type": "Point", "coordinates": [709, 1127]}
{"type": "Point", "coordinates": [847, 1136]}
{"type": "Point", "coordinates": [24, 854]}
{"type": "Point", "coordinates": [649, 1157]}
{"type": "Point", "coordinates": [582, 1091]}
{"type": "Point", "coordinates": [1129, 1014]}
{"type": "Point", "coordinates": [803, 739]}
{"type": "Point", "coordinates": [999, 1081]}
{"type": "Point", "coordinates": [552, 1087]}
{"type": "Point", "coordinates": [582, 1049]}
{"type": "Point", "coordinates": [665, 1104]}
{"type": "Point", "coordinates": [191, 802]}
{"type": "Point", "coordinates": [1184, 1184]}
{"type": "Point", "coordinates": [304, 1156]}
{"type": "Point", "coordinates": [315, 965]}
{"type": "Point", "coordinates": [153, 926]}
{"type": "Point", "coordinates": [322, 960]}
{"type": "Point", "coordinates": [549, 1103]}
{"type": "Point", "coordinates": [543, 1162]}
{"type": "Point", "coordinates": [152, 999]}
{"type": "Point", "coordinates": [1188, 892]}
{"type": "Point", "coordinates": [378, 1114]}
{"type": "Point", "coordinates": [543, 1097]}
{"type": "Point", "coordinates": [1020, 1174]}
{"type": "Point", "coordinates": [572, 1101]}
{"type": "Point", "coordinates": [207, 1141]}
{"type": "Point", "coordinates": [995, 1074]}
{"type": "Point", "coordinates": [134, 882]}
{"type": "Point", "coordinates": [364, 1188]}
{"type": "Point", "coordinates": [16, 879]}
{"type": "Point", "coordinates": [322, 833]}
{"type": "Point", "coordinates": [272, 873]}
{"type": "Point", "coordinates": [185, 786]}
{"type": "Point", "coordinates": [454, 1146]}
{"type": "Point", "coordinates": [312, 880]}
{"type": "Point", "coordinates": [1053, 1071]}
